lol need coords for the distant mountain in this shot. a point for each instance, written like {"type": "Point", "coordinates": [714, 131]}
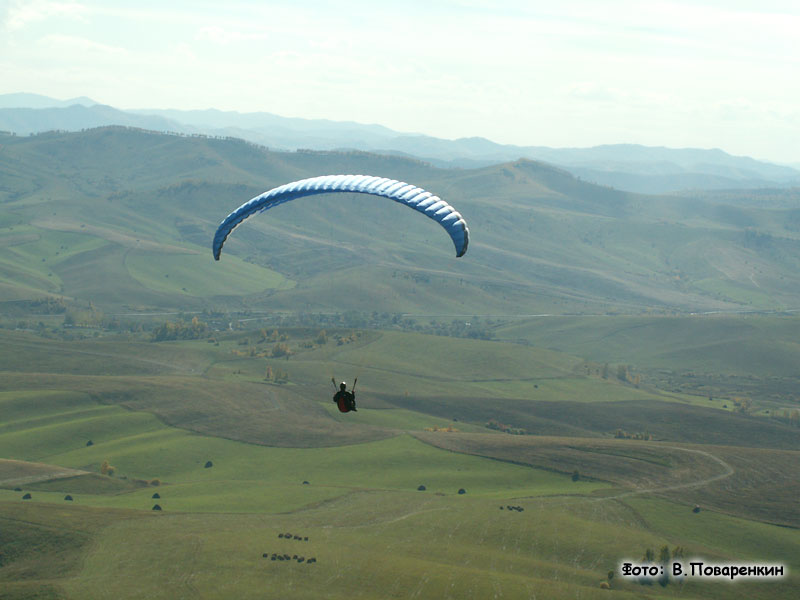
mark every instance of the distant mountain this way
{"type": "Point", "coordinates": [25, 121]}
{"type": "Point", "coordinates": [643, 169]}
{"type": "Point", "coordinates": [260, 121]}
{"type": "Point", "coordinates": [23, 100]}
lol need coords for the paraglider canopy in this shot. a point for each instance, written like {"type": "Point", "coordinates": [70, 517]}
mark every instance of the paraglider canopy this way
{"type": "Point", "coordinates": [399, 191]}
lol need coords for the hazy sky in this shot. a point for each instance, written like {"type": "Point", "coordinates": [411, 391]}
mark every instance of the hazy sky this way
{"type": "Point", "coordinates": [694, 73]}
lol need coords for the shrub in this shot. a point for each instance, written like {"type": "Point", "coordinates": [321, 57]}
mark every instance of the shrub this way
{"type": "Point", "coordinates": [280, 349]}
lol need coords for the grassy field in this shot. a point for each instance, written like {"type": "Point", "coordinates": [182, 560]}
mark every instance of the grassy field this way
{"type": "Point", "coordinates": [706, 359]}
{"type": "Point", "coordinates": [542, 391]}
{"type": "Point", "coordinates": [199, 275]}
{"type": "Point", "coordinates": [161, 411]}
{"type": "Point", "coordinates": [379, 544]}
{"type": "Point", "coordinates": [747, 482]}
{"type": "Point", "coordinates": [244, 477]}
{"type": "Point", "coordinates": [722, 344]}
{"type": "Point", "coordinates": [372, 533]}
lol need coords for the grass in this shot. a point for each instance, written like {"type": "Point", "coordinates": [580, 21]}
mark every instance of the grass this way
{"type": "Point", "coordinates": [54, 427]}
{"type": "Point", "coordinates": [710, 343]}
{"type": "Point", "coordinates": [52, 246]}
{"type": "Point", "coordinates": [200, 276]}
{"type": "Point", "coordinates": [21, 352]}
{"type": "Point", "coordinates": [710, 533]}
{"type": "Point", "coordinates": [15, 473]}
{"type": "Point", "coordinates": [397, 418]}
{"type": "Point", "coordinates": [754, 483]}
{"type": "Point", "coordinates": [34, 261]}
{"type": "Point", "coordinates": [163, 410]}
{"type": "Point", "coordinates": [763, 487]}
{"type": "Point", "coordinates": [424, 365]}
{"type": "Point", "coordinates": [384, 544]}
{"type": "Point", "coordinates": [43, 545]}
{"type": "Point", "coordinates": [237, 481]}
{"type": "Point", "coordinates": [373, 534]}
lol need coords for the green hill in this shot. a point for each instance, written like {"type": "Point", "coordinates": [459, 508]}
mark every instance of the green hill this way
{"type": "Point", "coordinates": [494, 452]}
{"type": "Point", "coordinates": [111, 201]}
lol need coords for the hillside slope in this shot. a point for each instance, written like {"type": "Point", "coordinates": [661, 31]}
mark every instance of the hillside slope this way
{"type": "Point", "coordinates": [125, 217]}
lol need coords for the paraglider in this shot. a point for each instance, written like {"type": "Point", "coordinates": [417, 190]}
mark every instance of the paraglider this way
{"type": "Point", "coordinates": [346, 401]}
{"type": "Point", "coordinates": [399, 191]}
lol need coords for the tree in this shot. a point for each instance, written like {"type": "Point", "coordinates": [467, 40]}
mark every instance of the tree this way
{"type": "Point", "coordinates": [280, 349]}
{"type": "Point", "coordinates": [648, 558]}
{"type": "Point", "coordinates": [742, 405]}
{"type": "Point", "coordinates": [663, 559]}
{"type": "Point", "coordinates": [180, 330]}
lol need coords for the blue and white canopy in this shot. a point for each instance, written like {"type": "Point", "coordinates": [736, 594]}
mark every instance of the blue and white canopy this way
{"type": "Point", "coordinates": [399, 191]}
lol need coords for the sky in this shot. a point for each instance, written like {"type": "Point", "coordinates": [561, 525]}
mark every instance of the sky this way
{"type": "Point", "coordinates": [575, 73]}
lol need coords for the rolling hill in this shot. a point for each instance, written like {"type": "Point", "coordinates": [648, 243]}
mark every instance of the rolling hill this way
{"type": "Point", "coordinates": [133, 205]}
{"type": "Point", "coordinates": [494, 452]}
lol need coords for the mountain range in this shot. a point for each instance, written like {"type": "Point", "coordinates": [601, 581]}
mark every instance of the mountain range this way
{"type": "Point", "coordinates": [630, 167]}
{"type": "Point", "coordinates": [124, 217]}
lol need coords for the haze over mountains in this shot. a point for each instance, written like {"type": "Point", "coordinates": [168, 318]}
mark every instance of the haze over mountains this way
{"type": "Point", "coordinates": [623, 166]}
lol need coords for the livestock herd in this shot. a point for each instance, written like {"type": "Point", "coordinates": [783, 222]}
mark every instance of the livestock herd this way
{"type": "Point", "coordinates": [285, 557]}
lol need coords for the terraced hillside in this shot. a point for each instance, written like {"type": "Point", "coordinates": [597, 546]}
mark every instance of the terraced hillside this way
{"type": "Point", "coordinates": [265, 490]}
